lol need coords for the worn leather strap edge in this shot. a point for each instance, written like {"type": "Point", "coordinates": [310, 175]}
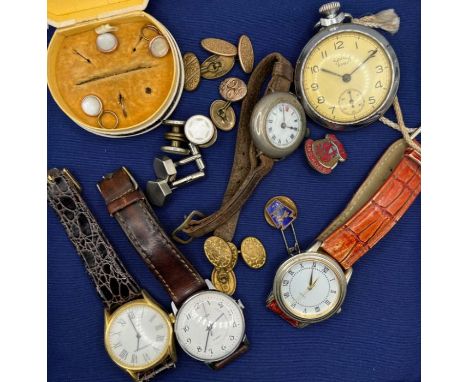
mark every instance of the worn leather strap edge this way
{"type": "Point", "coordinates": [115, 189]}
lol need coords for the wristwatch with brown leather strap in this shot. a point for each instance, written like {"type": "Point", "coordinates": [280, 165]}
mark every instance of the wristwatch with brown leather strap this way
{"type": "Point", "coordinates": [128, 205]}
{"type": "Point", "coordinates": [311, 286]}
{"type": "Point", "coordinates": [250, 165]}
{"type": "Point", "coordinates": [118, 290]}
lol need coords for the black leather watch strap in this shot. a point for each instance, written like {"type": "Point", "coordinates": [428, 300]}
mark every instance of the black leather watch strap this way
{"type": "Point", "coordinates": [113, 283]}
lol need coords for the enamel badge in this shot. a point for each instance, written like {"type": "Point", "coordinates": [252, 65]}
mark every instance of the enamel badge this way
{"type": "Point", "coordinates": [324, 154]}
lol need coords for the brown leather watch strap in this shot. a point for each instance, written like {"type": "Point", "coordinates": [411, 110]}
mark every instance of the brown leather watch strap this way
{"type": "Point", "coordinates": [113, 283]}
{"type": "Point", "coordinates": [389, 190]}
{"type": "Point", "coordinates": [129, 206]}
{"type": "Point", "coordinates": [239, 351]}
{"type": "Point", "coordinates": [248, 167]}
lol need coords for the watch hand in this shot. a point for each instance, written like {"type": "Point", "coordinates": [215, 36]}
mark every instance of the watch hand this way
{"type": "Point", "coordinates": [222, 314]}
{"type": "Point", "coordinates": [136, 331]}
{"type": "Point", "coordinates": [309, 287]}
{"type": "Point", "coordinates": [284, 117]}
{"type": "Point", "coordinates": [138, 343]}
{"type": "Point", "coordinates": [330, 72]}
{"type": "Point", "coordinates": [207, 337]}
{"type": "Point", "coordinates": [204, 310]}
{"type": "Point", "coordinates": [367, 59]}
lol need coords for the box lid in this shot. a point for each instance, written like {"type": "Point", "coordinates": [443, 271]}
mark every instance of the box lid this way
{"type": "Point", "coordinates": [62, 13]}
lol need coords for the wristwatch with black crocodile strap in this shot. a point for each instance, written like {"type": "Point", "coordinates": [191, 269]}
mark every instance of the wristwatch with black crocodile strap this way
{"type": "Point", "coordinates": [138, 333]}
{"type": "Point", "coordinates": [219, 337]}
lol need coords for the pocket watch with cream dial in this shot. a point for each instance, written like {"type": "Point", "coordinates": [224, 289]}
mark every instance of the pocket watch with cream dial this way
{"type": "Point", "coordinates": [347, 75]}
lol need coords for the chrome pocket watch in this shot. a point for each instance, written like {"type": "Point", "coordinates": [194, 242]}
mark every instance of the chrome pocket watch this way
{"type": "Point", "coordinates": [347, 75]}
{"type": "Point", "coordinates": [278, 124]}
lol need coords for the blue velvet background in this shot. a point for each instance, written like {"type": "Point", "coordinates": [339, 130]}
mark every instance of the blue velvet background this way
{"type": "Point", "coordinates": [377, 336]}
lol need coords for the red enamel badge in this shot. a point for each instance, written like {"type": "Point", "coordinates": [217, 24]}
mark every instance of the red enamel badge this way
{"type": "Point", "coordinates": [324, 154]}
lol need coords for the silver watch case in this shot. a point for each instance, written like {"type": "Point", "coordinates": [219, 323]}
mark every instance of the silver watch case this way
{"type": "Point", "coordinates": [300, 67]}
{"type": "Point", "coordinates": [258, 122]}
{"type": "Point", "coordinates": [311, 255]}
{"type": "Point", "coordinates": [211, 289]}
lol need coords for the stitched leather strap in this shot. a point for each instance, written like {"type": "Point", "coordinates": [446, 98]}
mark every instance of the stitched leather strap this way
{"type": "Point", "coordinates": [248, 167]}
{"type": "Point", "coordinates": [113, 283]}
{"type": "Point", "coordinates": [128, 205]}
{"type": "Point", "coordinates": [373, 218]}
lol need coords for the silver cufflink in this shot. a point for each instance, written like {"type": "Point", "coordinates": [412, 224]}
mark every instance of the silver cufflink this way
{"type": "Point", "coordinates": [165, 168]}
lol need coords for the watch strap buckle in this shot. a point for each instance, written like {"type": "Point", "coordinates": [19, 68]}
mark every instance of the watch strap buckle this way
{"type": "Point", "coordinates": [187, 221]}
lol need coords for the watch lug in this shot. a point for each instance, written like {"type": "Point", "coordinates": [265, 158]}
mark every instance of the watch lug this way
{"type": "Point", "coordinates": [338, 311]}
{"type": "Point", "coordinates": [174, 308]}
{"type": "Point", "coordinates": [210, 285]}
{"type": "Point", "coordinates": [315, 247]}
{"type": "Point", "coordinates": [132, 374]}
{"type": "Point", "coordinates": [239, 302]}
{"type": "Point", "coordinates": [107, 317]}
{"type": "Point", "coordinates": [270, 298]}
{"type": "Point", "coordinates": [348, 274]}
{"type": "Point", "coordinates": [172, 318]}
{"type": "Point", "coordinates": [148, 298]}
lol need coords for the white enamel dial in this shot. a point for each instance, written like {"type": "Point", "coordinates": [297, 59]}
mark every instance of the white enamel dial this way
{"type": "Point", "coordinates": [283, 125]}
{"type": "Point", "coordinates": [137, 336]}
{"type": "Point", "coordinates": [209, 326]}
{"type": "Point", "coordinates": [310, 289]}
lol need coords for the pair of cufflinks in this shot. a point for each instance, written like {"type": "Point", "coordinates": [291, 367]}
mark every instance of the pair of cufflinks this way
{"type": "Point", "coordinates": [107, 42]}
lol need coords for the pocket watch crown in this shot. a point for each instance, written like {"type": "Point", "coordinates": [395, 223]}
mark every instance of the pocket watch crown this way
{"type": "Point", "coordinates": [330, 10]}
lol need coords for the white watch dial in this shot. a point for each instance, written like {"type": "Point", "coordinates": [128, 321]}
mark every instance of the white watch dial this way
{"type": "Point", "coordinates": [310, 289]}
{"type": "Point", "coordinates": [283, 125]}
{"type": "Point", "coordinates": [209, 326]}
{"type": "Point", "coordinates": [137, 336]}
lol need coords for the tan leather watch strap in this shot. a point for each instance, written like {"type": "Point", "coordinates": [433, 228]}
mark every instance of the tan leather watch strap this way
{"type": "Point", "coordinates": [129, 206]}
{"type": "Point", "coordinates": [389, 190]}
{"type": "Point", "coordinates": [248, 167]}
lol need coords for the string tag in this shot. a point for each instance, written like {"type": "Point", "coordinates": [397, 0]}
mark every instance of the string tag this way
{"type": "Point", "coordinates": [387, 20]}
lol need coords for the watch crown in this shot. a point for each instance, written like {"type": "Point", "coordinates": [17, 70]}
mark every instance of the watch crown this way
{"type": "Point", "coordinates": [330, 10]}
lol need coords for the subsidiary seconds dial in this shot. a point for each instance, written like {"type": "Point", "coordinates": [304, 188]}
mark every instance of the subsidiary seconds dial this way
{"type": "Point", "coordinates": [283, 125]}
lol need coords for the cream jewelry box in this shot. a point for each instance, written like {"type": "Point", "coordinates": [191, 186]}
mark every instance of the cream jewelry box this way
{"type": "Point", "coordinates": [102, 70]}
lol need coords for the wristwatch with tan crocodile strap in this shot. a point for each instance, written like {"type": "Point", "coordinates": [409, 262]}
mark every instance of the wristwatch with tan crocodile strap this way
{"type": "Point", "coordinates": [311, 286]}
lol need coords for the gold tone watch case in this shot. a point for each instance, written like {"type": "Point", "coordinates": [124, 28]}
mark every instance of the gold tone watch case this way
{"type": "Point", "coordinates": [170, 349]}
{"type": "Point", "coordinates": [312, 254]}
